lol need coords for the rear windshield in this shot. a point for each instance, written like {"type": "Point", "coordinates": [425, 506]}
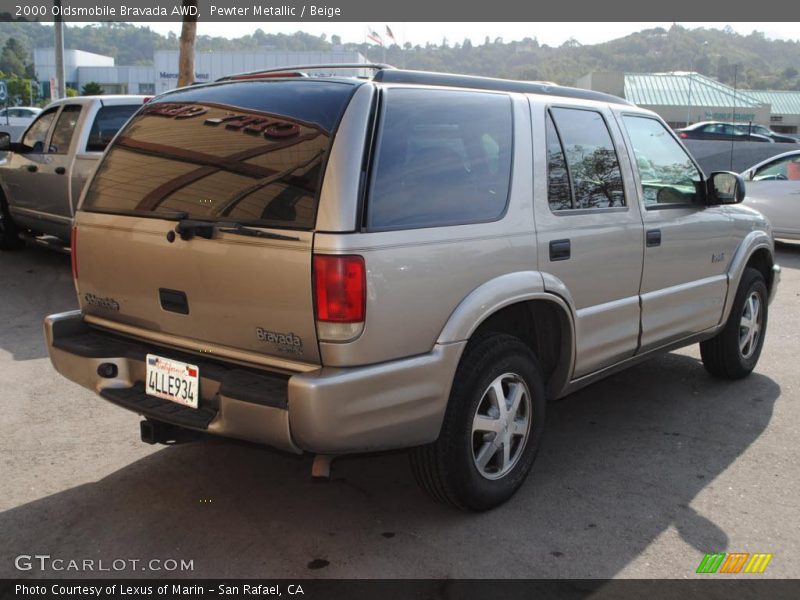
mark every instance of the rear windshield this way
{"type": "Point", "coordinates": [250, 152]}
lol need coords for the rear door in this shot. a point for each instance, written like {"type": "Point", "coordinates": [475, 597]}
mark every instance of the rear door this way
{"type": "Point", "coordinates": [589, 230]}
{"type": "Point", "coordinates": [55, 182]}
{"type": "Point", "coordinates": [236, 169]}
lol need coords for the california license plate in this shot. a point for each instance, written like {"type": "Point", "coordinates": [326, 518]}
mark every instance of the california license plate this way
{"type": "Point", "coordinates": [173, 380]}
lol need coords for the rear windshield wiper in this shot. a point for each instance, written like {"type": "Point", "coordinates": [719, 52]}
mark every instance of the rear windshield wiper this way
{"type": "Point", "coordinates": [189, 228]}
{"type": "Point", "coordinates": [239, 229]}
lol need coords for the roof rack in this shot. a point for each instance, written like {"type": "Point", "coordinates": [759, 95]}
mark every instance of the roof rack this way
{"type": "Point", "coordinates": [300, 71]}
{"type": "Point", "coordinates": [490, 83]}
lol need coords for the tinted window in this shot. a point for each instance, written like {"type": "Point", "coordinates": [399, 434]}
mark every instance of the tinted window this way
{"type": "Point", "coordinates": [443, 158]}
{"type": "Point", "coordinates": [65, 127]}
{"type": "Point", "coordinates": [559, 192]}
{"type": "Point", "coordinates": [590, 156]}
{"type": "Point", "coordinates": [107, 122]}
{"type": "Point", "coordinates": [37, 133]}
{"type": "Point", "coordinates": [667, 173]}
{"type": "Point", "coordinates": [223, 161]}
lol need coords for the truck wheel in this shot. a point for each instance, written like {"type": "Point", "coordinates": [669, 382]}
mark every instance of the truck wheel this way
{"type": "Point", "coordinates": [492, 427]}
{"type": "Point", "coordinates": [734, 351]}
{"type": "Point", "coordinates": [9, 235]}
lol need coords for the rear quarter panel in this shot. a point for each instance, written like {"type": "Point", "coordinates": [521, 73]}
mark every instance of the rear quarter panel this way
{"type": "Point", "coordinates": [417, 277]}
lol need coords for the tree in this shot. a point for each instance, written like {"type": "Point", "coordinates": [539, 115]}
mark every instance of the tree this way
{"type": "Point", "coordinates": [71, 92]}
{"type": "Point", "coordinates": [92, 88]}
{"type": "Point", "coordinates": [188, 40]}
{"type": "Point", "coordinates": [13, 57]}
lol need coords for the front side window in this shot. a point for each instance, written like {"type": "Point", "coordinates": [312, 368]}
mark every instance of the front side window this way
{"type": "Point", "coordinates": [64, 129]}
{"type": "Point", "coordinates": [37, 133]}
{"type": "Point", "coordinates": [588, 155]}
{"type": "Point", "coordinates": [668, 175]}
{"type": "Point", "coordinates": [784, 169]}
{"type": "Point", "coordinates": [443, 158]}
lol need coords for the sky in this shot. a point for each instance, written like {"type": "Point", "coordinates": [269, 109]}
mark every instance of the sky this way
{"type": "Point", "coordinates": [553, 34]}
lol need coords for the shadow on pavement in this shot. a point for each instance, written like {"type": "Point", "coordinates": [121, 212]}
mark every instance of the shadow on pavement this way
{"type": "Point", "coordinates": [37, 282]}
{"type": "Point", "coordinates": [787, 254]}
{"type": "Point", "coordinates": [621, 463]}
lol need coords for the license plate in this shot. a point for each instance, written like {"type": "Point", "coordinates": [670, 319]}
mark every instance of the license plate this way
{"type": "Point", "coordinates": [173, 380]}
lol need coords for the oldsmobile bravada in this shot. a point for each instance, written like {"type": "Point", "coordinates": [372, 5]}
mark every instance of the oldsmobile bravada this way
{"type": "Point", "coordinates": [337, 265]}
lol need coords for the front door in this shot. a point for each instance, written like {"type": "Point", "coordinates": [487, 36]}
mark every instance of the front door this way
{"type": "Point", "coordinates": [688, 246]}
{"type": "Point", "coordinates": [589, 230]}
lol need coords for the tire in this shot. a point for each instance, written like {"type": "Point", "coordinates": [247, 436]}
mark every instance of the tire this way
{"type": "Point", "coordinates": [729, 354]}
{"type": "Point", "coordinates": [9, 234]}
{"type": "Point", "coordinates": [466, 466]}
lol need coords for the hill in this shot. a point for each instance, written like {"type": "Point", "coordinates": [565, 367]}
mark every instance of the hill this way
{"type": "Point", "coordinates": [758, 62]}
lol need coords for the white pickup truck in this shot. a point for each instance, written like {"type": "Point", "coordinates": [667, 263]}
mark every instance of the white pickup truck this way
{"type": "Point", "coordinates": [42, 175]}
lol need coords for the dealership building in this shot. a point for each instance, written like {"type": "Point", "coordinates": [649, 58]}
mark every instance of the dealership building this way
{"type": "Point", "coordinates": [82, 67]}
{"type": "Point", "coordinates": [686, 97]}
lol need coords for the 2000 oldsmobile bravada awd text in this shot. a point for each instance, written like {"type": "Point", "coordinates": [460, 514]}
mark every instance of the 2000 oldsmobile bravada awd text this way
{"type": "Point", "coordinates": [336, 265]}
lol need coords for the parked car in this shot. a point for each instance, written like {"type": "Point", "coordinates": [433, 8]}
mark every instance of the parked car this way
{"type": "Point", "coordinates": [766, 132]}
{"type": "Point", "coordinates": [773, 188]}
{"type": "Point", "coordinates": [42, 175]}
{"type": "Point", "coordinates": [18, 116]}
{"type": "Point", "coordinates": [417, 260]}
{"type": "Point", "coordinates": [713, 130]}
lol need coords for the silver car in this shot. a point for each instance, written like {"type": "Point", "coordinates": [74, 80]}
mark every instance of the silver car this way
{"type": "Point", "coordinates": [18, 116]}
{"type": "Point", "coordinates": [773, 188]}
{"type": "Point", "coordinates": [42, 175]}
{"type": "Point", "coordinates": [336, 265]}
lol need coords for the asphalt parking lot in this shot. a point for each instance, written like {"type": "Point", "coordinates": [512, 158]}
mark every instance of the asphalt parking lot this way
{"type": "Point", "coordinates": [639, 475]}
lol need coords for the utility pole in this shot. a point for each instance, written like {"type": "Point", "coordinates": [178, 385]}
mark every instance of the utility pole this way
{"type": "Point", "coordinates": [58, 26]}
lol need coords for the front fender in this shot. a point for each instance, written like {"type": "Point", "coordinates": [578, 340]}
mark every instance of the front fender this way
{"type": "Point", "coordinates": [753, 241]}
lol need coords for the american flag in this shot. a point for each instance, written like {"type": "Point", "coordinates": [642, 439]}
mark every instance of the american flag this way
{"type": "Point", "coordinates": [389, 34]}
{"type": "Point", "coordinates": [374, 36]}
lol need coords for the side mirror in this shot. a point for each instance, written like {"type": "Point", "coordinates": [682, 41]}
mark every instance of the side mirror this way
{"type": "Point", "coordinates": [5, 141]}
{"type": "Point", "coordinates": [724, 187]}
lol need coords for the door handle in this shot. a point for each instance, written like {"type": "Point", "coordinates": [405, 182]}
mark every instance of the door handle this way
{"type": "Point", "coordinates": [653, 238]}
{"type": "Point", "coordinates": [560, 250]}
{"type": "Point", "coordinates": [60, 170]}
{"type": "Point", "coordinates": [33, 168]}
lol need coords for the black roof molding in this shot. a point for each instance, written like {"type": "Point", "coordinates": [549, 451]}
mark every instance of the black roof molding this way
{"type": "Point", "coordinates": [490, 83]}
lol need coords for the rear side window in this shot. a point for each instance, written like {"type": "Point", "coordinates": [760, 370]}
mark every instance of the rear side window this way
{"type": "Point", "coordinates": [250, 152]}
{"type": "Point", "coordinates": [107, 122]}
{"type": "Point", "coordinates": [443, 158]}
{"type": "Point", "coordinates": [579, 147]}
{"type": "Point", "coordinates": [64, 129]}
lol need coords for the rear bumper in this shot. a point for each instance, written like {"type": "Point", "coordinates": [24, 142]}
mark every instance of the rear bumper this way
{"type": "Point", "coordinates": [328, 411]}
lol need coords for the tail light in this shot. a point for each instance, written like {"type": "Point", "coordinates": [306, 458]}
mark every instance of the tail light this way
{"type": "Point", "coordinates": [340, 296]}
{"type": "Point", "coordinates": [683, 135]}
{"type": "Point", "coordinates": [73, 245]}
